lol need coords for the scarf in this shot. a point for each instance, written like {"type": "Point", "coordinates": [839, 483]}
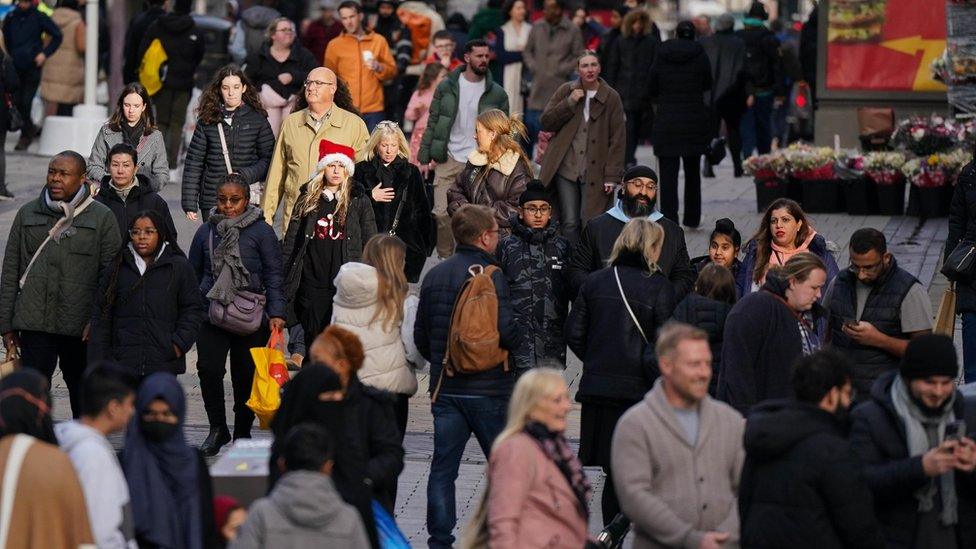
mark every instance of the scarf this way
{"type": "Point", "coordinates": [64, 227]}
{"type": "Point", "coordinates": [779, 255]}
{"type": "Point", "coordinates": [227, 268]}
{"type": "Point", "coordinates": [163, 476]}
{"type": "Point", "coordinates": [124, 192]}
{"type": "Point", "coordinates": [227, 115]}
{"type": "Point", "coordinates": [132, 134]}
{"type": "Point", "coordinates": [554, 445]}
{"type": "Point", "coordinates": [924, 432]}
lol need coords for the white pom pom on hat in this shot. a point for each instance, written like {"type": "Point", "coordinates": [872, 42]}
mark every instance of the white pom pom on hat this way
{"type": "Point", "coordinates": [330, 152]}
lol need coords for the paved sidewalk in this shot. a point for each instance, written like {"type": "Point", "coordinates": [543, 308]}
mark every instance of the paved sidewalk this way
{"type": "Point", "coordinates": [916, 245]}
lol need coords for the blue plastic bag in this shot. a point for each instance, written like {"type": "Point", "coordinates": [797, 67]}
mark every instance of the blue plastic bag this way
{"type": "Point", "coordinates": [387, 530]}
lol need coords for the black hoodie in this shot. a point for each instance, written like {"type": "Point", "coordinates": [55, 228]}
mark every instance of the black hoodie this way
{"type": "Point", "coordinates": [680, 76]}
{"type": "Point", "coordinates": [801, 484]}
{"type": "Point", "coordinates": [184, 47]}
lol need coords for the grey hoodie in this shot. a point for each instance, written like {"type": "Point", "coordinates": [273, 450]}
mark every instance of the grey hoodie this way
{"type": "Point", "coordinates": [102, 481]}
{"type": "Point", "coordinates": [303, 510]}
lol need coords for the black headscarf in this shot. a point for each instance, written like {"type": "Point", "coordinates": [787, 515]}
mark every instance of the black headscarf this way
{"type": "Point", "coordinates": [25, 406]}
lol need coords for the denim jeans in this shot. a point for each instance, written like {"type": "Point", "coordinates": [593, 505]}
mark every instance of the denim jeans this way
{"type": "Point", "coordinates": [533, 124]}
{"type": "Point", "coordinates": [969, 346]}
{"type": "Point", "coordinates": [373, 118]}
{"type": "Point", "coordinates": [757, 126]}
{"type": "Point", "coordinates": [455, 419]}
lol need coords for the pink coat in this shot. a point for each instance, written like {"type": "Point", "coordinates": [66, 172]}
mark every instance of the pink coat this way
{"type": "Point", "coordinates": [530, 502]}
{"type": "Point", "coordinates": [418, 110]}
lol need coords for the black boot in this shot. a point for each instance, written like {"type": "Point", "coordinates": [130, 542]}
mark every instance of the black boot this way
{"type": "Point", "coordinates": [218, 437]}
{"type": "Point", "coordinates": [708, 171]}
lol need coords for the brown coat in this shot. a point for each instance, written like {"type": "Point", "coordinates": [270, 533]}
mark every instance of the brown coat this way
{"type": "Point", "coordinates": [63, 75]}
{"type": "Point", "coordinates": [530, 502]}
{"type": "Point", "coordinates": [605, 150]}
{"type": "Point", "coordinates": [506, 180]}
{"type": "Point", "coordinates": [49, 506]}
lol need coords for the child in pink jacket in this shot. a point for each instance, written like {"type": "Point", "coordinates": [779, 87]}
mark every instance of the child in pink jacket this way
{"type": "Point", "coordinates": [418, 109]}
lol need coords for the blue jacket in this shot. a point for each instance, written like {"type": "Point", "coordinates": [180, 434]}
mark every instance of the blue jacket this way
{"type": "Point", "coordinates": [22, 31]}
{"type": "Point", "coordinates": [437, 296]}
{"type": "Point", "coordinates": [743, 276]}
{"type": "Point", "coordinates": [261, 253]}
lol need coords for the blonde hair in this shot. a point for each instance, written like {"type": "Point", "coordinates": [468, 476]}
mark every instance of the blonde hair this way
{"type": "Point", "coordinates": [269, 33]}
{"type": "Point", "coordinates": [384, 129]}
{"type": "Point", "coordinates": [313, 194]}
{"type": "Point", "coordinates": [531, 389]}
{"type": "Point", "coordinates": [642, 237]}
{"type": "Point", "coordinates": [508, 130]}
{"type": "Point", "coordinates": [387, 254]}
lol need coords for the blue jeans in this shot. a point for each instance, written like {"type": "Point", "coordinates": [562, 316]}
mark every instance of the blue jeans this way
{"type": "Point", "coordinates": [372, 119]}
{"type": "Point", "coordinates": [455, 419]}
{"type": "Point", "coordinates": [757, 126]}
{"type": "Point", "coordinates": [969, 346]}
{"type": "Point", "coordinates": [533, 124]}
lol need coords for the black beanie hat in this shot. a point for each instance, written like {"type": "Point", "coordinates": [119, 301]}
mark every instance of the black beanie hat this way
{"type": "Point", "coordinates": [758, 11]}
{"type": "Point", "coordinates": [535, 190]}
{"type": "Point", "coordinates": [929, 355]}
{"type": "Point", "coordinates": [640, 171]}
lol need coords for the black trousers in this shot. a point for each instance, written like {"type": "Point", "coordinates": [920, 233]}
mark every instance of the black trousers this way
{"type": "Point", "coordinates": [29, 81]}
{"type": "Point", "coordinates": [314, 311]}
{"type": "Point", "coordinates": [170, 116]}
{"type": "Point", "coordinates": [634, 127]}
{"type": "Point", "coordinates": [43, 352]}
{"type": "Point", "coordinates": [213, 345]}
{"type": "Point", "coordinates": [669, 188]}
{"type": "Point", "coordinates": [729, 110]}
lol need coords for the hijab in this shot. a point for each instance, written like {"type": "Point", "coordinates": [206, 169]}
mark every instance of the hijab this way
{"type": "Point", "coordinates": [25, 406]}
{"type": "Point", "coordinates": [163, 475]}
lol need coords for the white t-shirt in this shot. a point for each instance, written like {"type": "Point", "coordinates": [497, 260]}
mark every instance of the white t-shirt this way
{"type": "Point", "coordinates": [590, 94]}
{"type": "Point", "coordinates": [462, 140]}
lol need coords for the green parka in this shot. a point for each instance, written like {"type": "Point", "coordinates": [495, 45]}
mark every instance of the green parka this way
{"type": "Point", "coordinates": [443, 110]}
{"type": "Point", "coordinates": [60, 288]}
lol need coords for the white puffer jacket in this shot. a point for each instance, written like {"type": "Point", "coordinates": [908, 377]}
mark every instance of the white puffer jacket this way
{"type": "Point", "coordinates": [391, 356]}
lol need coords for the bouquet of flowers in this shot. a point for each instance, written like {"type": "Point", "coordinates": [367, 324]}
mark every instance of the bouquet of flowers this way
{"type": "Point", "coordinates": [935, 170]}
{"type": "Point", "coordinates": [806, 162]}
{"type": "Point", "coordinates": [849, 165]}
{"type": "Point", "coordinates": [884, 168]}
{"type": "Point", "coordinates": [925, 135]}
{"type": "Point", "coordinates": [763, 166]}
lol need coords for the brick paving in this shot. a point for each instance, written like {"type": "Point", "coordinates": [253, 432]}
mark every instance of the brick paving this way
{"type": "Point", "coordinates": [917, 246]}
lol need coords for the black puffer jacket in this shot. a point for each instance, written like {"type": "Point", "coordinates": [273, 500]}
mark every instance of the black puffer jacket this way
{"type": "Point", "coordinates": [140, 198]}
{"type": "Point", "coordinates": [149, 314]}
{"type": "Point", "coordinates": [184, 45]}
{"type": "Point", "coordinates": [534, 262]}
{"type": "Point", "coordinates": [416, 226]}
{"type": "Point", "coordinates": [962, 225]}
{"type": "Point", "coordinates": [250, 143]}
{"type": "Point", "coordinates": [878, 438]}
{"type": "Point", "coordinates": [802, 486]}
{"type": "Point", "coordinates": [263, 68]}
{"type": "Point", "coordinates": [680, 76]}
{"type": "Point", "coordinates": [629, 68]}
{"type": "Point", "coordinates": [618, 364]}
{"type": "Point", "coordinates": [709, 315]}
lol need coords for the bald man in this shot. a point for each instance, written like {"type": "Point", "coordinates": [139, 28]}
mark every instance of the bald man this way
{"type": "Point", "coordinates": [297, 150]}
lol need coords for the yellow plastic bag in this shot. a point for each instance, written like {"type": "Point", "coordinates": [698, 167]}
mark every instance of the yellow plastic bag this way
{"type": "Point", "coordinates": [152, 70]}
{"type": "Point", "coordinates": [270, 373]}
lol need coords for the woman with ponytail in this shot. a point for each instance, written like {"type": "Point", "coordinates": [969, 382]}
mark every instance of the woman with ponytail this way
{"type": "Point", "coordinates": [497, 171]}
{"type": "Point", "coordinates": [332, 219]}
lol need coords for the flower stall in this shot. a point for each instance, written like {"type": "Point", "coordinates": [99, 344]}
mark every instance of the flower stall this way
{"type": "Point", "coordinates": [882, 169]}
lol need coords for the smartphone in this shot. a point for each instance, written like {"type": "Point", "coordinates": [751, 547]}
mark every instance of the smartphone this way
{"type": "Point", "coordinates": [849, 323]}
{"type": "Point", "coordinates": [956, 430]}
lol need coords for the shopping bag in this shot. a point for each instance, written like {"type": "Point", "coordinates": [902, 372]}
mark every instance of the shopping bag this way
{"type": "Point", "coordinates": [270, 373]}
{"type": "Point", "coordinates": [945, 320]}
{"type": "Point", "coordinates": [387, 530]}
{"type": "Point", "coordinates": [11, 364]}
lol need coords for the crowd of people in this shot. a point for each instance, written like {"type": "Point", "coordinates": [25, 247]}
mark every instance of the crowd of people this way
{"type": "Point", "coordinates": [757, 395]}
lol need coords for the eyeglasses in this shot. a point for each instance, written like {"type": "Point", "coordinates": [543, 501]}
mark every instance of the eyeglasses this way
{"type": "Point", "coordinates": [855, 270]}
{"type": "Point", "coordinates": [317, 83]}
{"type": "Point", "coordinates": [650, 185]}
{"type": "Point", "coordinates": [542, 210]}
{"type": "Point", "coordinates": [135, 233]}
{"type": "Point", "coordinates": [286, 31]}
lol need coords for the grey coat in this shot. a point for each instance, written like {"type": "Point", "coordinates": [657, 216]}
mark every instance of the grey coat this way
{"type": "Point", "coordinates": [151, 151]}
{"type": "Point", "coordinates": [550, 54]}
{"type": "Point", "coordinates": [303, 510]}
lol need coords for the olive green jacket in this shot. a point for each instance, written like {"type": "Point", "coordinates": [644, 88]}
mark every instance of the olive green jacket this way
{"type": "Point", "coordinates": [59, 291]}
{"type": "Point", "coordinates": [443, 110]}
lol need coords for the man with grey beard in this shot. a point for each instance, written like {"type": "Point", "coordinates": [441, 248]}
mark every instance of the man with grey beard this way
{"type": "Point", "coordinates": [636, 197]}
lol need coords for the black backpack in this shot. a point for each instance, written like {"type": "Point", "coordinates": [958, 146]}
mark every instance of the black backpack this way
{"type": "Point", "coordinates": [758, 63]}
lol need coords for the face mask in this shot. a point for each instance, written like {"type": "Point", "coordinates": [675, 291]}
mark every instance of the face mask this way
{"type": "Point", "coordinates": [843, 417]}
{"type": "Point", "coordinates": [158, 431]}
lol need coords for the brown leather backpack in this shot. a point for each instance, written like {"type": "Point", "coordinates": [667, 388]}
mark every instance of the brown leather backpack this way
{"type": "Point", "coordinates": [473, 341]}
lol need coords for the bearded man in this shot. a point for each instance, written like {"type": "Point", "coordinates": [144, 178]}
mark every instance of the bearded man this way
{"type": "Point", "coordinates": [636, 198]}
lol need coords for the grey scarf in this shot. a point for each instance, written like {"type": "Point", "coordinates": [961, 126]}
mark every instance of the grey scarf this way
{"type": "Point", "coordinates": [923, 433]}
{"type": "Point", "coordinates": [124, 192]}
{"type": "Point", "coordinates": [230, 274]}
{"type": "Point", "coordinates": [64, 226]}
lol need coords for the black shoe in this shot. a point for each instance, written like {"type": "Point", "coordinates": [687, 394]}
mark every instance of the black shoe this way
{"type": "Point", "coordinates": [23, 143]}
{"type": "Point", "coordinates": [218, 437]}
{"type": "Point", "coordinates": [708, 171]}
{"type": "Point", "coordinates": [737, 171]}
{"type": "Point", "coordinates": [6, 195]}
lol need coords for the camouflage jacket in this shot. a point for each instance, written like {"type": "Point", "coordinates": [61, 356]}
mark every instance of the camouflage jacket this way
{"type": "Point", "coordinates": [534, 262]}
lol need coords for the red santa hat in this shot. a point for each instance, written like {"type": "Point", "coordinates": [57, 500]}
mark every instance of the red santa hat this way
{"type": "Point", "coordinates": [330, 152]}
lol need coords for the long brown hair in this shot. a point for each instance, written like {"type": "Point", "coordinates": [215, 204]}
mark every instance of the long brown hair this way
{"type": "Point", "coordinates": [508, 130]}
{"type": "Point", "coordinates": [430, 74]}
{"type": "Point", "coordinates": [148, 116]}
{"type": "Point", "coordinates": [209, 111]}
{"type": "Point", "coordinates": [764, 239]}
{"type": "Point", "coordinates": [387, 254]}
{"type": "Point", "coordinates": [716, 282]}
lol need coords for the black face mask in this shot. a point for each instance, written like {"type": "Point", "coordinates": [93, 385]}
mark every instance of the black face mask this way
{"type": "Point", "coordinates": [842, 415]}
{"type": "Point", "coordinates": [158, 431]}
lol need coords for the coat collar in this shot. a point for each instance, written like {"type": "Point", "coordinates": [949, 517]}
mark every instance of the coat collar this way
{"type": "Point", "coordinates": [602, 90]}
{"type": "Point", "coordinates": [658, 403]}
{"type": "Point", "coordinates": [505, 164]}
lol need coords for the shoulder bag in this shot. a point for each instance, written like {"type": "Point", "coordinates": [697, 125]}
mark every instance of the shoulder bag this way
{"type": "Point", "coordinates": [629, 310]}
{"type": "Point", "coordinates": [399, 210]}
{"type": "Point", "coordinates": [242, 316]}
{"type": "Point", "coordinates": [960, 264]}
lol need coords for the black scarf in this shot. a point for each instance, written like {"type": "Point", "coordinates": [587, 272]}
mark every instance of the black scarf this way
{"type": "Point", "coordinates": [558, 450]}
{"type": "Point", "coordinates": [132, 134]}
